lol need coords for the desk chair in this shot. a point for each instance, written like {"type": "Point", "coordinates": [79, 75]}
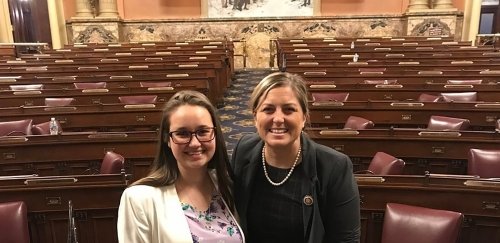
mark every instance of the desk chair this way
{"type": "Point", "coordinates": [356, 123]}
{"type": "Point", "coordinates": [330, 96]}
{"type": "Point", "coordinates": [384, 164]}
{"type": "Point", "coordinates": [95, 85]}
{"type": "Point", "coordinates": [444, 123]}
{"type": "Point", "coordinates": [138, 99]}
{"type": "Point", "coordinates": [58, 101]}
{"type": "Point", "coordinates": [412, 224]}
{"type": "Point", "coordinates": [484, 163]}
{"type": "Point", "coordinates": [14, 222]}
{"type": "Point", "coordinates": [460, 97]}
{"type": "Point", "coordinates": [429, 98]}
{"type": "Point", "coordinates": [16, 128]}
{"type": "Point", "coordinates": [112, 163]}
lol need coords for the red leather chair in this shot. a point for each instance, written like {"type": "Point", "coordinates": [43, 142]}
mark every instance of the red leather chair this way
{"type": "Point", "coordinates": [484, 163]}
{"type": "Point", "coordinates": [413, 224]}
{"type": "Point", "coordinates": [16, 128]}
{"type": "Point", "coordinates": [329, 96]}
{"type": "Point", "coordinates": [58, 101]}
{"type": "Point", "coordinates": [429, 98]}
{"type": "Point", "coordinates": [95, 85]}
{"type": "Point", "coordinates": [14, 222]}
{"type": "Point", "coordinates": [460, 97]}
{"type": "Point", "coordinates": [112, 163]}
{"type": "Point", "coordinates": [155, 84]}
{"type": "Point", "coordinates": [138, 99]}
{"type": "Point", "coordinates": [444, 123]}
{"type": "Point", "coordinates": [384, 164]}
{"type": "Point", "coordinates": [43, 128]}
{"type": "Point", "coordinates": [356, 123]}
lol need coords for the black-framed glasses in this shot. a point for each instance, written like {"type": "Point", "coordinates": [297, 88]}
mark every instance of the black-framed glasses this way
{"type": "Point", "coordinates": [205, 134]}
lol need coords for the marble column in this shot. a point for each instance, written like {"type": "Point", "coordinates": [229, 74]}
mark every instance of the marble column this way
{"type": "Point", "coordinates": [83, 9]}
{"type": "Point", "coordinates": [443, 4]}
{"type": "Point", "coordinates": [417, 5]}
{"type": "Point", "coordinates": [108, 9]}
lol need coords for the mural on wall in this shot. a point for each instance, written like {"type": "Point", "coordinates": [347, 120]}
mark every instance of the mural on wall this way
{"type": "Point", "coordinates": [259, 8]}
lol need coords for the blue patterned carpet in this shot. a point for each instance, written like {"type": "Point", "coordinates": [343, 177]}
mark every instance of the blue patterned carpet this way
{"type": "Point", "coordinates": [235, 116]}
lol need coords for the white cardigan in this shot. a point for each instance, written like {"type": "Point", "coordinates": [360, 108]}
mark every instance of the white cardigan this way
{"type": "Point", "coordinates": [153, 215]}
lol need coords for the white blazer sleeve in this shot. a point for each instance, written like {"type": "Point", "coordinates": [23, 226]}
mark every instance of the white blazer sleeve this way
{"type": "Point", "coordinates": [133, 225]}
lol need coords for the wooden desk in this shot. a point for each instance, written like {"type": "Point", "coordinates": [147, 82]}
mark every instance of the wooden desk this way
{"type": "Point", "coordinates": [437, 152]}
{"type": "Point", "coordinates": [118, 117]}
{"type": "Point", "coordinates": [386, 113]}
{"type": "Point", "coordinates": [405, 92]}
{"type": "Point", "coordinates": [76, 153]}
{"type": "Point", "coordinates": [95, 199]}
{"type": "Point", "coordinates": [477, 199]}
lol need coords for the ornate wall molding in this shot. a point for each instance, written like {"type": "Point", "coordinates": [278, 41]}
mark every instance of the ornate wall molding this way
{"type": "Point", "coordinates": [259, 31]}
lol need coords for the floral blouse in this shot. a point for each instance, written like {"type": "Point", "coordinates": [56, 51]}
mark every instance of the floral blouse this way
{"type": "Point", "coordinates": [216, 224]}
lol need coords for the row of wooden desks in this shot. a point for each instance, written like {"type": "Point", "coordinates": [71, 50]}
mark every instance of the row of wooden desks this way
{"type": "Point", "coordinates": [477, 199]}
{"type": "Point", "coordinates": [422, 150]}
{"type": "Point", "coordinates": [95, 199]}
{"type": "Point", "coordinates": [76, 153]}
{"type": "Point", "coordinates": [410, 113]}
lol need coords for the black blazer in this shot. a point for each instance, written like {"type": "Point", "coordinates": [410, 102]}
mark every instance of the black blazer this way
{"type": "Point", "coordinates": [334, 215]}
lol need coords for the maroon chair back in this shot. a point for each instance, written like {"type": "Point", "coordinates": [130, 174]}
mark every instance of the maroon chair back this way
{"type": "Point", "coordinates": [14, 222]}
{"type": "Point", "coordinates": [138, 99]}
{"type": "Point", "coordinates": [112, 163]}
{"type": "Point", "coordinates": [385, 164]}
{"type": "Point", "coordinates": [356, 123]}
{"type": "Point", "coordinates": [329, 96]}
{"type": "Point", "coordinates": [16, 128]}
{"type": "Point", "coordinates": [484, 163]}
{"type": "Point", "coordinates": [444, 123]}
{"type": "Point", "coordinates": [155, 84]}
{"type": "Point", "coordinates": [94, 85]}
{"type": "Point", "coordinates": [460, 97]}
{"type": "Point", "coordinates": [58, 101]}
{"type": "Point", "coordinates": [429, 98]}
{"type": "Point", "coordinates": [43, 128]}
{"type": "Point", "coordinates": [413, 224]}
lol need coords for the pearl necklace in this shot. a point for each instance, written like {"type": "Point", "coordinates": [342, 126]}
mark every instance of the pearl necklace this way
{"type": "Point", "coordinates": [289, 173]}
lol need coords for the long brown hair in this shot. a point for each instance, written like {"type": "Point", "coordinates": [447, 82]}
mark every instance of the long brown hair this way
{"type": "Point", "coordinates": [164, 170]}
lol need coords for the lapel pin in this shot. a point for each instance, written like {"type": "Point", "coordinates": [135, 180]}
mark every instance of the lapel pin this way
{"type": "Point", "coordinates": [308, 200]}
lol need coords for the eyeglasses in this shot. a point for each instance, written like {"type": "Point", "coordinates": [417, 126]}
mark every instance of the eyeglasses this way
{"type": "Point", "coordinates": [205, 134]}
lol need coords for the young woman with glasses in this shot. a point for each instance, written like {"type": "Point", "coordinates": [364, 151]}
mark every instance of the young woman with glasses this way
{"type": "Point", "coordinates": [186, 197]}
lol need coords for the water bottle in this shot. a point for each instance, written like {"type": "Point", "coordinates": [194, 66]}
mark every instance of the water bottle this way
{"type": "Point", "coordinates": [352, 45]}
{"type": "Point", "coordinates": [355, 57]}
{"type": "Point", "coordinates": [54, 129]}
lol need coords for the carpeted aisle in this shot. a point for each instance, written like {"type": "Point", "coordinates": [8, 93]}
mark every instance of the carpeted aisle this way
{"type": "Point", "coordinates": [235, 116]}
